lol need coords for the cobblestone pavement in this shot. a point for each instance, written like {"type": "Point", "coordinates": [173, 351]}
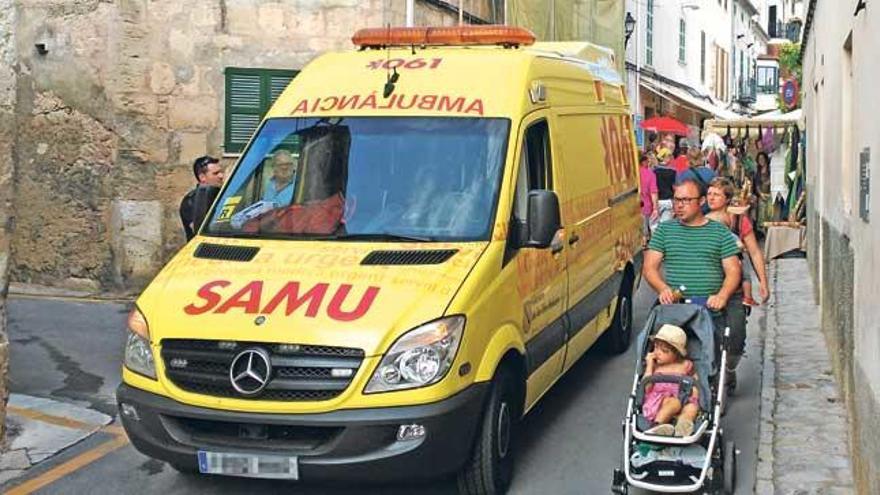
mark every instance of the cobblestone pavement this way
{"type": "Point", "coordinates": [804, 446]}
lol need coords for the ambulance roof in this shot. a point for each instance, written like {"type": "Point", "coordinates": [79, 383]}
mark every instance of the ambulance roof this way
{"type": "Point", "coordinates": [465, 81]}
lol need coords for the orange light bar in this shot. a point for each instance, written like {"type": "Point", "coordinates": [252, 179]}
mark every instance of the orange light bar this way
{"type": "Point", "coordinates": [458, 35]}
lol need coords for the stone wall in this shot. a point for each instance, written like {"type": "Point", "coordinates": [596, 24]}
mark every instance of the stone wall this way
{"type": "Point", "coordinates": [8, 80]}
{"type": "Point", "coordinates": [836, 303]}
{"type": "Point", "coordinates": [124, 97]}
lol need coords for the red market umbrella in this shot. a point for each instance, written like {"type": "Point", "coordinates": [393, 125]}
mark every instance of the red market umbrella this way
{"type": "Point", "coordinates": [664, 124]}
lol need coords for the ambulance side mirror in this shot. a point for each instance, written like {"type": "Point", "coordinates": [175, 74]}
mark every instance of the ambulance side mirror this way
{"type": "Point", "coordinates": [544, 219]}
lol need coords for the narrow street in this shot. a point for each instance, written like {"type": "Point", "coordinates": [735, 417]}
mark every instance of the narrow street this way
{"type": "Point", "coordinates": [71, 351]}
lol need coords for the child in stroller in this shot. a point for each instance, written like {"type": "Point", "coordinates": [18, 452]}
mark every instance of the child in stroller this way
{"type": "Point", "coordinates": [696, 457]}
{"type": "Point", "coordinates": [664, 401]}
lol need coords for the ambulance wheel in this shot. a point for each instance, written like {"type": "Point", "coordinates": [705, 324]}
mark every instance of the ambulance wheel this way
{"type": "Point", "coordinates": [729, 478]}
{"type": "Point", "coordinates": [618, 335]}
{"type": "Point", "coordinates": [489, 470]}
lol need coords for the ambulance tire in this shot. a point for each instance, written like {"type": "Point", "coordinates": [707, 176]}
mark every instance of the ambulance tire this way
{"type": "Point", "coordinates": [616, 338]}
{"type": "Point", "coordinates": [489, 470]}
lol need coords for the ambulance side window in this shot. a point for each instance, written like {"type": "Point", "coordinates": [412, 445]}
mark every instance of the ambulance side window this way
{"type": "Point", "coordinates": [535, 167]}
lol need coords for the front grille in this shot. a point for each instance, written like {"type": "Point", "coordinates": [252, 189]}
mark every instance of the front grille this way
{"type": "Point", "coordinates": [415, 257]}
{"type": "Point", "coordinates": [201, 432]}
{"type": "Point", "coordinates": [299, 372]}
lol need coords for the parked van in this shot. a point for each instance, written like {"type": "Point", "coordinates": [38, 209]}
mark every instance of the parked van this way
{"type": "Point", "coordinates": [420, 239]}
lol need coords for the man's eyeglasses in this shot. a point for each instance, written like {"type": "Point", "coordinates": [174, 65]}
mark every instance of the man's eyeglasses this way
{"type": "Point", "coordinates": [684, 201]}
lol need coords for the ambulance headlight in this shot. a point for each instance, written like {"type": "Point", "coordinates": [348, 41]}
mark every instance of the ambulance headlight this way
{"type": "Point", "coordinates": [138, 354]}
{"type": "Point", "coordinates": [420, 357]}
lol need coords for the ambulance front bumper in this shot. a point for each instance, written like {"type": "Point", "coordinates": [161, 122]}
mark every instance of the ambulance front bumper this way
{"type": "Point", "coordinates": [351, 445]}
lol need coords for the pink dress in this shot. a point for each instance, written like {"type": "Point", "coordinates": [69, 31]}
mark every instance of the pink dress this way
{"type": "Point", "coordinates": [648, 186]}
{"type": "Point", "coordinates": [660, 391]}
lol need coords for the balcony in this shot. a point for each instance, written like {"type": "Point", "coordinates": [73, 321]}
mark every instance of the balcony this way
{"type": "Point", "coordinates": [790, 30]}
{"type": "Point", "coordinates": [747, 92]}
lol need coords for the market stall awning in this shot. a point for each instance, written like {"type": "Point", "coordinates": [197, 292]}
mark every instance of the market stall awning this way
{"type": "Point", "coordinates": [774, 119]}
{"type": "Point", "coordinates": [700, 104]}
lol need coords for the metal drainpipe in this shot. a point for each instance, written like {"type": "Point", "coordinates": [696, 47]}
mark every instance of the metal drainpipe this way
{"type": "Point", "coordinates": [637, 34]}
{"type": "Point", "coordinates": [410, 14]}
{"type": "Point", "coordinates": [732, 58]}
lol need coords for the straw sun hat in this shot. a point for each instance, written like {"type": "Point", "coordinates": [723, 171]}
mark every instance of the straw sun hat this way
{"type": "Point", "coordinates": [673, 336]}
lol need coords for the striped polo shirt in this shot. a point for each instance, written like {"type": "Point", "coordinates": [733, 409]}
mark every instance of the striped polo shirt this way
{"type": "Point", "coordinates": [692, 255]}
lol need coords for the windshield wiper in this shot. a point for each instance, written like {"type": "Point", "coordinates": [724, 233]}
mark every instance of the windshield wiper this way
{"type": "Point", "coordinates": [382, 236]}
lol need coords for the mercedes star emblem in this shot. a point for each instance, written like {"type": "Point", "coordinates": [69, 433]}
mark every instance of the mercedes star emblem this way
{"type": "Point", "coordinates": [250, 371]}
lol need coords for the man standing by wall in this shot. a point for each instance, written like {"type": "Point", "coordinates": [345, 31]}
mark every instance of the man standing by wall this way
{"type": "Point", "coordinates": [208, 172]}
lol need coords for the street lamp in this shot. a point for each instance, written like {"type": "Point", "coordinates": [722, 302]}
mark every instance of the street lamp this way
{"type": "Point", "coordinates": [629, 25]}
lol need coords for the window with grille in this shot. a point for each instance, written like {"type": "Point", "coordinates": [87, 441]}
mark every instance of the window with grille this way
{"type": "Point", "coordinates": [249, 95]}
{"type": "Point", "coordinates": [703, 57]}
{"type": "Point", "coordinates": [768, 80]}
{"type": "Point", "coordinates": [682, 38]}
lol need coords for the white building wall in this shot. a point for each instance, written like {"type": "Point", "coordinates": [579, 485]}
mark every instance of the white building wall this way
{"type": "Point", "coordinates": [710, 18]}
{"type": "Point", "coordinates": [841, 105]}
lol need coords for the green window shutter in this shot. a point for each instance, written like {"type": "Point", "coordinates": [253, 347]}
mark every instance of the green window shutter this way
{"type": "Point", "coordinates": [249, 95]}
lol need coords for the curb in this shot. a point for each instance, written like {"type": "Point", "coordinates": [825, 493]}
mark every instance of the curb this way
{"type": "Point", "coordinates": [40, 428]}
{"type": "Point", "coordinates": [767, 429]}
{"type": "Point", "coordinates": [34, 291]}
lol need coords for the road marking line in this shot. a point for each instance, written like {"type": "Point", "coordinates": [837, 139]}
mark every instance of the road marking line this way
{"type": "Point", "coordinates": [70, 466]}
{"type": "Point", "coordinates": [115, 430]}
{"type": "Point", "coordinates": [49, 418]}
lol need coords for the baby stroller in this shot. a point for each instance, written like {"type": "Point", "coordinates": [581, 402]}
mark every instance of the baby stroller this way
{"type": "Point", "coordinates": [703, 460]}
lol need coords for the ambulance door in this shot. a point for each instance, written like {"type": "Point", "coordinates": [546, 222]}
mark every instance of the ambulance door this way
{"type": "Point", "coordinates": [586, 217]}
{"type": "Point", "coordinates": [542, 281]}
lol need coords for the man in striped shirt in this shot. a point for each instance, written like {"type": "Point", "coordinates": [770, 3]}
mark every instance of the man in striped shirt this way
{"type": "Point", "coordinates": [698, 253]}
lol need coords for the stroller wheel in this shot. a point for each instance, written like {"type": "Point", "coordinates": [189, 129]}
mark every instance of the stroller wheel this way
{"type": "Point", "coordinates": [729, 470]}
{"type": "Point", "coordinates": [618, 483]}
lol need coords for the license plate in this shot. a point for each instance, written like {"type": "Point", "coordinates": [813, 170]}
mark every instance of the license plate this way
{"type": "Point", "coordinates": [248, 465]}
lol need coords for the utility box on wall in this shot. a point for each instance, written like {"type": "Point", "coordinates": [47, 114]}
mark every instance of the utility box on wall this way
{"type": "Point", "coordinates": [865, 184]}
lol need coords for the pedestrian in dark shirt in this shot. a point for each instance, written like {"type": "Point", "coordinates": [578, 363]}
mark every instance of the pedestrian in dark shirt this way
{"type": "Point", "coordinates": [665, 181]}
{"type": "Point", "coordinates": [208, 172]}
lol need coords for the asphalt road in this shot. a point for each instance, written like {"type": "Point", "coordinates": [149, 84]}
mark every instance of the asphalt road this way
{"type": "Point", "coordinates": [571, 441]}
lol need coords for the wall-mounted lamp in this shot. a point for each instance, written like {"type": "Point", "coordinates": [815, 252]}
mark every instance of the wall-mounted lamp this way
{"type": "Point", "coordinates": [629, 25]}
{"type": "Point", "coordinates": [862, 5]}
{"type": "Point", "coordinates": [41, 48]}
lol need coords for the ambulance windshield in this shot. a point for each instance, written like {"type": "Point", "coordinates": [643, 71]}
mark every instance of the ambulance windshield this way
{"type": "Point", "coordinates": [366, 178]}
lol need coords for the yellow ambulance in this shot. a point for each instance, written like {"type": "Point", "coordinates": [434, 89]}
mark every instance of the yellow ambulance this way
{"type": "Point", "coordinates": [422, 236]}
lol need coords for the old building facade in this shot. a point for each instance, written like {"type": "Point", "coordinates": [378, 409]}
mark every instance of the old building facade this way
{"type": "Point", "coordinates": [8, 78]}
{"type": "Point", "coordinates": [112, 101]}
